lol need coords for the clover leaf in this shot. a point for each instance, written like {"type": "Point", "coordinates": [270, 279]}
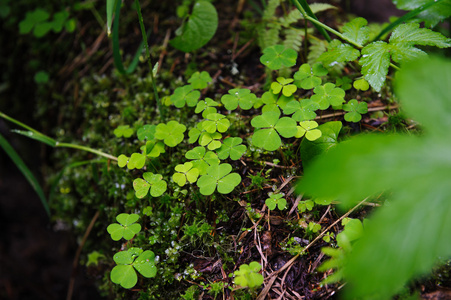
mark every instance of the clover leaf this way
{"type": "Point", "coordinates": [153, 149]}
{"type": "Point", "coordinates": [307, 128]}
{"type": "Point", "coordinates": [278, 56]}
{"type": "Point", "coordinates": [248, 276]}
{"type": "Point", "coordinates": [309, 77]}
{"type": "Point", "coordinates": [355, 110]}
{"type": "Point", "coordinates": [276, 200]}
{"type": "Point", "coordinates": [127, 228]}
{"type": "Point", "coordinates": [303, 110]}
{"type": "Point", "coordinates": [123, 130]}
{"type": "Point", "coordinates": [202, 159]}
{"type": "Point", "coordinates": [185, 94]}
{"type": "Point", "coordinates": [200, 80]}
{"type": "Point", "coordinates": [216, 122]}
{"type": "Point", "coordinates": [206, 106]}
{"type": "Point", "coordinates": [344, 82]}
{"type": "Point", "coordinates": [136, 161]}
{"type": "Point", "coordinates": [305, 205]}
{"type": "Point", "coordinates": [284, 85]}
{"type": "Point", "coordinates": [151, 181]}
{"type": "Point", "coordinates": [273, 102]}
{"type": "Point", "coordinates": [171, 133]}
{"type": "Point", "coordinates": [218, 177]}
{"type": "Point", "coordinates": [328, 94]}
{"type": "Point", "coordinates": [361, 84]}
{"type": "Point", "coordinates": [269, 127]}
{"type": "Point", "coordinates": [185, 172]}
{"type": "Point", "coordinates": [129, 260]}
{"type": "Point", "coordinates": [231, 147]}
{"type": "Point", "coordinates": [146, 132]}
{"type": "Point", "coordinates": [242, 97]}
{"type": "Point", "coordinates": [313, 227]}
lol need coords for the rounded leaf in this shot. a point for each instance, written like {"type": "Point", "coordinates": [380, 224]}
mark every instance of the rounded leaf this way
{"type": "Point", "coordinates": [124, 275]}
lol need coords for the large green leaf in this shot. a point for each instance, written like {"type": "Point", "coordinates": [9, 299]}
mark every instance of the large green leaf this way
{"type": "Point", "coordinates": [199, 29]}
{"type": "Point", "coordinates": [338, 52]}
{"type": "Point", "coordinates": [432, 15]}
{"type": "Point", "coordinates": [375, 61]}
{"type": "Point", "coordinates": [357, 31]}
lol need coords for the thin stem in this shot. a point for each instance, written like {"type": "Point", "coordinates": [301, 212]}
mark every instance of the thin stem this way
{"type": "Point", "coordinates": [146, 44]}
{"type": "Point", "coordinates": [87, 149]}
{"type": "Point", "coordinates": [20, 124]}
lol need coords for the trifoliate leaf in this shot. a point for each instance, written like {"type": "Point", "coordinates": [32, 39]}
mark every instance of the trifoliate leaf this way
{"type": "Point", "coordinates": [123, 130]}
{"type": "Point", "coordinates": [242, 97]}
{"type": "Point", "coordinates": [218, 177]}
{"type": "Point", "coordinates": [171, 133]}
{"type": "Point", "coordinates": [278, 56]}
{"type": "Point", "coordinates": [355, 110]}
{"type": "Point", "coordinates": [202, 159]}
{"type": "Point", "coordinates": [151, 181]}
{"type": "Point", "coordinates": [267, 137]}
{"type": "Point", "coordinates": [146, 132]}
{"type": "Point", "coordinates": [231, 147]}
{"type": "Point", "coordinates": [216, 122]}
{"type": "Point", "coordinates": [200, 81]}
{"type": "Point", "coordinates": [308, 76]}
{"type": "Point", "coordinates": [186, 172]}
{"type": "Point", "coordinates": [303, 110]}
{"type": "Point", "coordinates": [136, 161]}
{"type": "Point", "coordinates": [185, 94]}
{"type": "Point", "coordinates": [327, 95]}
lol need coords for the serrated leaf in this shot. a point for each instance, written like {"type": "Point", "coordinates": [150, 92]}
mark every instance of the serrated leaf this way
{"type": "Point", "coordinates": [338, 52]}
{"type": "Point", "coordinates": [432, 15]}
{"type": "Point", "coordinates": [199, 29]}
{"type": "Point", "coordinates": [375, 61]}
{"type": "Point", "coordinates": [357, 31]}
{"type": "Point", "coordinates": [411, 33]}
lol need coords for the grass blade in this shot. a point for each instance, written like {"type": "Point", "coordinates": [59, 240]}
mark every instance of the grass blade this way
{"type": "Point", "coordinates": [36, 136]}
{"type": "Point", "coordinates": [25, 171]}
{"type": "Point", "coordinates": [109, 14]}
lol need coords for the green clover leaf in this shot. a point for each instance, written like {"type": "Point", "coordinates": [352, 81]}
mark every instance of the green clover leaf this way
{"type": "Point", "coordinates": [231, 147]}
{"type": "Point", "coordinates": [273, 102]}
{"type": "Point", "coordinates": [242, 97]}
{"type": "Point", "coordinates": [151, 181]}
{"type": "Point", "coordinates": [344, 82]}
{"type": "Point", "coordinates": [307, 128]}
{"type": "Point", "coordinates": [216, 122]}
{"type": "Point", "coordinates": [136, 161]}
{"type": "Point", "coordinates": [269, 127]}
{"type": "Point", "coordinates": [129, 260]}
{"type": "Point", "coordinates": [171, 133]}
{"type": "Point", "coordinates": [355, 110]}
{"type": "Point", "coordinates": [146, 132]}
{"type": "Point", "coordinates": [313, 227]}
{"type": "Point", "coordinates": [185, 94]}
{"type": "Point", "coordinates": [328, 94]}
{"type": "Point", "coordinates": [309, 77]}
{"type": "Point", "coordinates": [123, 130]}
{"type": "Point", "coordinates": [361, 84]}
{"type": "Point", "coordinates": [127, 228]}
{"type": "Point", "coordinates": [211, 140]}
{"type": "Point", "coordinates": [284, 85]}
{"type": "Point", "coordinates": [278, 56]}
{"type": "Point", "coordinates": [185, 172]}
{"type": "Point", "coordinates": [218, 177]}
{"type": "Point", "coordinates": [202, 159]}
{"type": "Point", "coordinates": [303, 110]}
{"type": "Point", "coordinates": [200, 80]}
{"type": "Point", "coordinates": [122, 160]}
{"type": "Point", "coordinates": [206, 106]}
{"type": "Point", "coordinates": [248, 276]}
{"type": "Point", "coordinates": [305, 205]}
{"type": "Point", "coordinates": [153, 149]}
{"type": "Point", "coordinates": [276, 200]}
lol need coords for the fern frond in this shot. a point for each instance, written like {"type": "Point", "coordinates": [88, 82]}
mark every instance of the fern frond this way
{"type": "Point", "coordinates": [293, 38]}
{"type": "Point", "coordinates": [293, 17]}
{"type": "Point", "coordinates": [270, 9]}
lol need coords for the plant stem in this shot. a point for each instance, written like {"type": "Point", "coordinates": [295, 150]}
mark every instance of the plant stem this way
{"type": "Point", "coordinates": [87, 149]}
{"type": "Point", "coordinates": [146, 44]}
{"type": "Point", "coordinates": [305, 10]}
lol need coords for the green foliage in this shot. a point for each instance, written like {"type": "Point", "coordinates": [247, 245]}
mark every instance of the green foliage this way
{"type": "Point", "coordinates": [216, 122]}
{"type": "Point", "coordinates": [432, 15]}
{"type": "Point", "coordinates": [198, 29]}
{"type": "Point", "coordinates": [171, 133]}
{"type": "Point", "coordinates": [242, 97]}
{"type": "Point", "coordinates": [284, 85]}
{"type": "Point", "coordinates": [185, 95]}
{"type": "Point", "coordinates": [130, 260]}
{"type": "Point", "coordinates": [313, 227]}
{"type": "Point", "coordinates": [152, 182]}
{"type": "Point", "coordinates": [308, 76]}
{"type": "Point", "coordinates": [185, 172]}
{"type": "Point", "coordinates": [232, 148]}
{"type": "Point", "coordinates": [248, 276]}
{"type": "Point", "coordinates": [146, 132]}
{"type": "Point", "coordinates": [135, 161]}
{"type": "Point", "coordinates": [218, 177]}
{"type": "Point", "coordinates": [416, 171]}
{"type": "Point", "coordinates": [361, 84]}
{"type": "Point", "coordinates": [303, 110]}
{"type": "Point", "coordinates": [309, 130]}
{"type": "Point", "coordinates": [305, 205]}
{"type": "Point", "coordinates": [202, 159]}
{"type": "Point", "coordinates": [355, 110]}
{"type": "Point", "coordinates": [269, 127]}
{"type": "Point", "coordinates": [123, 131]}
{"type": "Point", "coordinates": [38, 21]}
{"type": "Point", "coordinates": [278, 56]}
{"type": "Point", "coordinates": [41, 77]}
{"type": "Point", "coordinates": [206, 106]}
{"type": "Point", "coordinates": [328, 94]}
{"type": "Point", "coordinates": [127, 227]}
{"type": "Point", "coordinates": [200, 80]}
{"type": "Point", "coordinates": [275, 199]}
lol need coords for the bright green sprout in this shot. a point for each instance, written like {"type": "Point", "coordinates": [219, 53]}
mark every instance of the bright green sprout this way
{"type": "Point", "coordinates": [328, 236]}
{"type": "Point", "coordinates": [216, 122]}
{"type": "Point", "coordinates": [218, 177]}
{"type": "Point", "coordinates": [152, 182]}
{"type": "Point", "coordinates": [130, 260]}
{"type": "Point", "coordinates": [185, 172]}
{"type": "Point", "coordinates": [278, 56]}
{"type": "Point", "coordinates": [135, 161]}
{"type": "Point", "coordinates": [309, 77]}
{"type": "Point", "coordinates": [355, 110]}
{"type": "Point", "coordinates": [239, 97]}
{"type": "Point", "coordinates": [123, 130]}
{"type": "Point", "coordinates": [275, 199]}
{"type": "Point", "coordinates": [185, 95]}
{"type": "Point", "coordinates": [361, 84]}
{"type": "Point", "coordinates": [248, 276]}
{"type": "Point", "coordinates": [284, 85]}
{"type": "Point", "coordinates": [94, 257]}
{"type": "Point", "coordinates": [313, 227]}
{"type": "Point", "coordinates": [171, 133]}
{"type": "Point", "coordinates": [309, 129]}
{"type": "Point", "coordinates": [127, 227]}
{"type": "Point", "coordinates": [153, 149]}
{"type": "Point", "coordinates": [200, 80]}
{"type": "Point", "coordinates": [303, 110]}
{"type": "Point", "coordinates": [269, 127]}
{"type": "Point", "coordinates": [207, 107]}
{"type": "Point", "coordinates": [231, 147]}
{"type": "Point", "coordinates": [305, 205]}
